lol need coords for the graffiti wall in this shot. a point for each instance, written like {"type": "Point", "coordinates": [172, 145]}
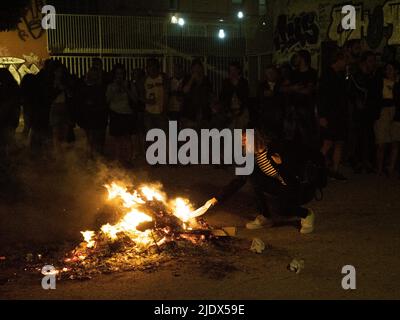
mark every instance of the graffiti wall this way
{"type": "Point", "coordinates": [23, 50]}
{"type": "Point", "coordinates": [305, 24]}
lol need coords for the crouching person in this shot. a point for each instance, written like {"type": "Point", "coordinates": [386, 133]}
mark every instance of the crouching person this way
{"type": "Point", "coordinates": [283, 182]}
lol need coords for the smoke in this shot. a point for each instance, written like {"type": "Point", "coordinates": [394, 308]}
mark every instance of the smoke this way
{"type": "Point", "coordinates": [52, 201]}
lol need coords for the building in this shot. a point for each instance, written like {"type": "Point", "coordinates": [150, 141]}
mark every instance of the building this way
{"type": "Point", "coordinates": [130, 31]}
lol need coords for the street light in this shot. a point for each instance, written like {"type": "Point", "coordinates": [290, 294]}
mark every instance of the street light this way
{"type": "Point", "coordinates": [174, 19]}
{"type": "Point", "coordinates": [240, 15]}
{"type": "Point", "coordinates": [181, 22]}
{"type": "Point", "coordinates": [221, 34]}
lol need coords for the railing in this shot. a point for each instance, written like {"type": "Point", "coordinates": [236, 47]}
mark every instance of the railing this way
{"type": "Point", "coordinates": [131, 40]}
{"type": "Point", "coordinates": [126, 35]}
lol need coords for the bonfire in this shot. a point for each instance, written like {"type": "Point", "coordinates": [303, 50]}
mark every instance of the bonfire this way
{"type": "Point", "coordinates": [148, 224]}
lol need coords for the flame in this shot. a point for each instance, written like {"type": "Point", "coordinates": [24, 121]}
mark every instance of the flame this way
{"type": "Point", "coordinates": [133, 203]}
{"type": "Point", "coordinates": [127, 225]}
{"type": "Point", "coordinates": [152, 193]}
{"type": "Point", "coordinates": [110, 231]}
{"type": "Point", "coordinates": [128, 199]}
{"type": "Point", "coordinates": [132, 220]}
{"type": "Point", "coordinates": [88, 237]}
{"type": "Point", "coordinates": [182, 209]}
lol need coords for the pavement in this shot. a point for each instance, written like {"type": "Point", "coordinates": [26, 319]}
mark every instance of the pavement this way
{"type": "Point", "coordinates": [357, 224]}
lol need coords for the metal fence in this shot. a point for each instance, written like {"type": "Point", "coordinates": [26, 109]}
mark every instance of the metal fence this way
{"type": "Point", "coordinates": [124, 35]}
{"type": "Point", "coordinates": [129, 40]}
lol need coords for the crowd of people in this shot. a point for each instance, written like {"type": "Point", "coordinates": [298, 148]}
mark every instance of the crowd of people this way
{"type": "Point", "coordinates": [350, 110]}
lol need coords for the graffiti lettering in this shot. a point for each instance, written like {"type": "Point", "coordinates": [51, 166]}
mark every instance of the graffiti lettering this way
{"type": "Point", "coordinates": [32, 22]}
{"type": "Point", "coordinates": [391, 20]}
{"type": "Point", "coordinates": [298, 30]}
{"type": "Point", "coordinates": [384, 21]}
{"type": "Point", "coordinates": [20, 67]}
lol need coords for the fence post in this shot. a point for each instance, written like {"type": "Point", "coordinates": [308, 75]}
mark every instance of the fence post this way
{"type": "Point", "coordinates": [100, 38]}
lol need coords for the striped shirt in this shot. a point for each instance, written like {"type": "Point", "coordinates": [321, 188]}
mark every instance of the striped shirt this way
{"type": "Point", "coordinates": [266, 166]}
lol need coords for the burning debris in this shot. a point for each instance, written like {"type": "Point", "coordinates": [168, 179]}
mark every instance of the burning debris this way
{"type": "Point", "coordinates": [150, 228]}
{"type": "Point", "coordinates": [144, 230]}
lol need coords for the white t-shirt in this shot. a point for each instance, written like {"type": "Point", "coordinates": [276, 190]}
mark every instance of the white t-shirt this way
{"type": "Point", "coordinates": [118, 100]}
{"type": "Point", "coordinates": [155, 91]}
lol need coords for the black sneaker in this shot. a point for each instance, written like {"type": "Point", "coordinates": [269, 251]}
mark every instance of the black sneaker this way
{"type": "Point", "coordinates": [334, 175]}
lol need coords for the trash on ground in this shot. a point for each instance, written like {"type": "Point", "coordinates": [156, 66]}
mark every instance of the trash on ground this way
{"type": "Point", "coordinates": [296, 265]}
{"type": "Point", "coordinates": [257, 246]}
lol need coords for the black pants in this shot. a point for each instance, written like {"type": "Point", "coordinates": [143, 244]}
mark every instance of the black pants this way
{"type": "Point", "coordinates": [274, 198]}
{"type": "Point", "coordinates": [363, 142]}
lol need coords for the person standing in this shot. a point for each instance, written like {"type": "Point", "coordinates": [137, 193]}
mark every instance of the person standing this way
{"type": "Point", "coordinates": [234, 97]}
{"type": "Point", "coordinates": [362, 113]}
{"type": "Point", "coordinates": [197, 112]}
{"type": "Point", "coordinates": [333, 112]}
{"type": "Point", "coordinates": [387, 126]}
{"type": "Point", "coordinates": [60, 112]}
{"type": "Point", "coordinates": [121, 99]}
{"type": "Point", "coordinates": [303, 92]}
{"type": "Point", "coordinates": [353, 52]}
{"type": "Point", "coordinates": [40, 111]}
{"type": "Point", "coordinates": [28, 93]}
{"type": "Point", "coordinates": [176, 95]}
{"type": "Point", "coordinates": [156, 97]}
{"type": "Point", "coordinates": [271, 106]}
{"type": "Point", "coordinates": [9, 120]}
{"type": "Point", "coordinates": [93, 114]}
{"type": "Point", "coordinates": [138, 83]}
{"type": "Point", "coordinates": [9, 111]}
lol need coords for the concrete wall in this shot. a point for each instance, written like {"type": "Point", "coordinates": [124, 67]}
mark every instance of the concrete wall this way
{"type": "Point", "coordinates": [23, 50]}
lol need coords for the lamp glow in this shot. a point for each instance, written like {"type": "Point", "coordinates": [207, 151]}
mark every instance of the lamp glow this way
{"type": "Point", "coordinates": [181, 22]}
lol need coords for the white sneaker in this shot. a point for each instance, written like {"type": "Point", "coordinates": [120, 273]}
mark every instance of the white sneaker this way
{"type": "Point", "coordinates": [307, 224]}
{"type": "Point", "coordinates": [259, 223]}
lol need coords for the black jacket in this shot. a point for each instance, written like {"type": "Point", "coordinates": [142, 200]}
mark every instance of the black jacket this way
{"type": "Point", "coordinates": [332, 99]}
{"type": "Point", "coordinates": [198, 100]}
{"type": "Point", "coordinates": [271, 109]}
{"type": "Point", "coordinates": [241, 90]}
